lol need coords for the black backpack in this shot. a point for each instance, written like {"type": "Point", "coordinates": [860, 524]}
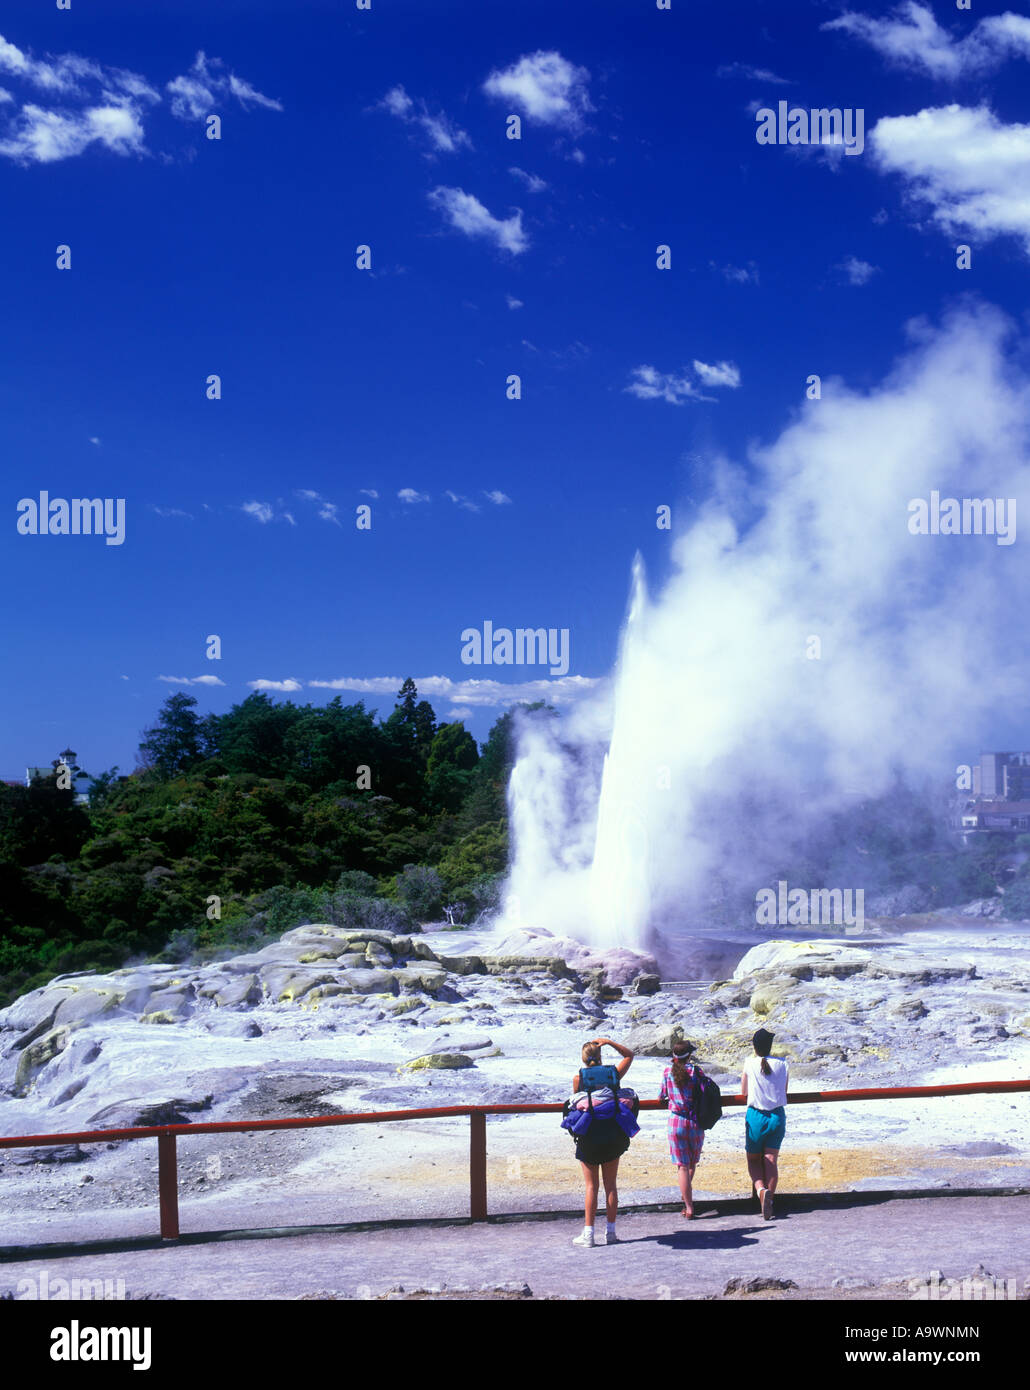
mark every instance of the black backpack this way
{"type": "Point", "coordinates": [706, 1100]}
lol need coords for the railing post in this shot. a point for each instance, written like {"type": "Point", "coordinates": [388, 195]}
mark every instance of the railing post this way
{"type": "Point", "coordinates": [168, 1186]}
{"type": "Point", "coordinates": [477, 1166]}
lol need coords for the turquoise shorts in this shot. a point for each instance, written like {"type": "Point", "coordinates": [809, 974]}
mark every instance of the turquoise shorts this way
{"type": "Point", "coordinates": [764, 1129]}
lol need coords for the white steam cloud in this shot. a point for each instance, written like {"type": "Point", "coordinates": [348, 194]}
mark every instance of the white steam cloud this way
{"type": "Point", "coordinates": [726, 739]}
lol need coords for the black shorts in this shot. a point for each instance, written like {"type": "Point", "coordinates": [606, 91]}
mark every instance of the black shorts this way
{"type": "Point", "coordinates": [602, 1148]}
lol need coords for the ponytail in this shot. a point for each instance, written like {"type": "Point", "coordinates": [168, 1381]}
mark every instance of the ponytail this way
{"type": "Point", "coordinates": [766, 1068]}
{"type": "Point", "coordinates": [679, 1073]}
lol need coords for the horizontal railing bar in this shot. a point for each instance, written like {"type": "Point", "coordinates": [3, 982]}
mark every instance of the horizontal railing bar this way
{"type": "Point", "coordinates": [462, 1111]}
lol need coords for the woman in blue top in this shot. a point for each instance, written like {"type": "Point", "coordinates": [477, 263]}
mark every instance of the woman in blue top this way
{"type": "Point", "coordinates": [604, 1144]}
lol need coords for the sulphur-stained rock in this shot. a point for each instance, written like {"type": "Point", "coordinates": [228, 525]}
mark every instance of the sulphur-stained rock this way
{"type": "Point", "coordinates": [804, 959]}
{"type": "Point", "coordinates": [352, 960]}
{"type": "Point", "coordinates": [235, 994]}
{"type": "Point", "coordinates": [233, 1026]}
{"type": "Point", "coordinates": [33, 1011]}
{"type": "Point", "coordinates": [378, 955]}
{"type": "Point", "coordinates": [167, 1005]}
{"type": "Point", "coordinates": [36, 1056]}
{"type": "Point", "coordinates": [424, 979]}
{"type": "Point", "coordinates": [440, 1061]}
{"type": "Point", "coordinates": [369, 981]}
{"type": "Point", "coordinates": [289, 987]}
{"type": "Point", "coordinates": [84, 1004]}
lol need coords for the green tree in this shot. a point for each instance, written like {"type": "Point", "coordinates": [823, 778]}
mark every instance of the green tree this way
{"type": "Point", "coordinates": [173, 745]}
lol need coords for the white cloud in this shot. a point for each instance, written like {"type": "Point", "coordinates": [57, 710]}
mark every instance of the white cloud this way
{"type": "Point", "coordinates": [532, 182]}
{"type": "Point", "coordinates": [38, 136]}
{"type": "Point", "coordinates": [328, 513]}
{"type": "Point", "coordinates": [562, 690]}
{"type": "Point", "coordinates": [171, 511]}
{"type": "Point", "coordinates": [545, 87]}
{"type": "Point", "coordinates": [444, 136]}
{"type": "Point", "coordinates": [205, 87]}
{"type": "Point", "coordinates": [99, 105]}
{"type": "Point", "coordinates": [499, 499]}
{"type": "Point", "coordinates": [739, 274]}
{"type": "Point", "coordinates": [649, 384]}
{"type": "Point", "coordinates": [467, 214]}
{"type": "Point", "coordinates": [460, 501]}
{"type": "Point", "coordinates": [752, 74]}
{"type": "Point", "coordinates": [972, 170]}
{"type": "Point", "coordinates": [513, 303]}
{"type": "Point", "coordinates": [187, 680]}
{"type": "Point", "coordinates": [459, 712]}
{"type": "Point", "coordinates": [286, 687]}
{"type": "Point", "coordinates": [912, 38]}
{"type": "Point", "coordinates": [307, 494]}
{"type": "Point", "coordinates": [408, 494]}
{"type": "Point", "coordinates": [718, 373]}
{"type": "Point", "coordinates": [93, 439]}
{"type": "Point", "coordinates": [368, 492]}
{"type": "Point", "coordinates": [260, 511]}
{"type": "Point", "coordinates": [858, 272]}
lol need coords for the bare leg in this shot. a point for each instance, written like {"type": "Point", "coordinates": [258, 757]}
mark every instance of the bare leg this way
{"type": "Point", "coordinates": [756, 1169]}
{"type": "Point", "coordinates": [610, 1176]}
{"type": "Point", "coordinates": [686, 1177]}
{"type": "Point", "coordinates": [590, 1175]}
{"type": "Point", "coordinates": [771, 1170]}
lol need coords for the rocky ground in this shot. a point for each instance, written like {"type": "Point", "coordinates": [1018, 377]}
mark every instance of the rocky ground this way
{"type": "Point", "coordinates": [327, 1020]}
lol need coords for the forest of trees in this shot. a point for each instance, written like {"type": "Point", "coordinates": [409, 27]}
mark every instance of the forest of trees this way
{"type": "Point", "coordinates": [280, 812]}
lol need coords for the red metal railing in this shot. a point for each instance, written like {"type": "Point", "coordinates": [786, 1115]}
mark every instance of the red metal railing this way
{"type": "Point", "coordinates": [166, 1135]}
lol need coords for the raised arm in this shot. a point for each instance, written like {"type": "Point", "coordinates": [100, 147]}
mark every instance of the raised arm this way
{"type": "Point", "coordinates": [627, 1056]}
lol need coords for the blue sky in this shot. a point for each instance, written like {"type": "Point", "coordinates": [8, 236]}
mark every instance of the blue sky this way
{"type": "Point", "coordinates": [490, 256]}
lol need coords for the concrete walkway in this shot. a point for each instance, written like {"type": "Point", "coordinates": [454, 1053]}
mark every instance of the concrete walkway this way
{"type": "Point", "coordinates": [872, 1244]}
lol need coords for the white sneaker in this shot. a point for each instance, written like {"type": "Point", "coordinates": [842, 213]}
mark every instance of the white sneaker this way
{"type": "Point", "coordinates": [586, 1240]}
{"type": "Point", "coordinates": [609, 1238]}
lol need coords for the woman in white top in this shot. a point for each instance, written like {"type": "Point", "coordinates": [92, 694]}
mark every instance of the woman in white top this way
{"type": "Point", "coordinates": [764, 1083]}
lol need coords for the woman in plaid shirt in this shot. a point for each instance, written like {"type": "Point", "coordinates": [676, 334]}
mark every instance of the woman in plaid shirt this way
{"type": "Point", "coordinates": [686, 1136]}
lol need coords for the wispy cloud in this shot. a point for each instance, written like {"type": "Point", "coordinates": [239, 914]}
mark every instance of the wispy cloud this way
{"type": "Point", "coordinates": [460, 501]}
{"type": "Point", "coordinates": [857, 272]}
{"type": "Point", "coordinates": [201, 91]}
{"type": "Point", "coordinates": [467, 214]}
{"type": "Point", "coordinates": [90, 104]}
{"type": "Point", "coordinates": [718, 373]}
{"type": "Point", "coordinates": [544, 86]}
{"type": "Point", "coordinates": [513, 303]}
{"type": "Point", "coordinates": [368, 492]}
{"type": "Point", "coordinates": [444, 136]}
{"type": "Point", "coordinates": [912, 38]}
{"type": "Point", "coordinates": [499, 499]}
{"type": "Point", "coordinates": [188, 680]}
{"type": "Point", "coordinates": [286, 687]}
{"type": "Point", "coordinates": [260, 511]}
{"type": "Point", "coordinates": [171, 511]}
{"type": "Point", "coordinates": [738, 274]}
{"type": "Point", "coordinates": [649, 384]}
{"type": "Point", "coordinates": [408, 494]}
{"type": "Point", "coordinates": [752, 74]}
{"type": "Point", "coordinates": [531, 181]}
{"type": "Point", "coordinates": [328, 512]}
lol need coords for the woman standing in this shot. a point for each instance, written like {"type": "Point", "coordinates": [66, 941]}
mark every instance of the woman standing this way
{"type": "Point", "coordinates": [604, 1143]}
{"type": "Point", "coordinates": [764, 1083]}
{"type": "Point", "coordinates": [686, 1137]}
